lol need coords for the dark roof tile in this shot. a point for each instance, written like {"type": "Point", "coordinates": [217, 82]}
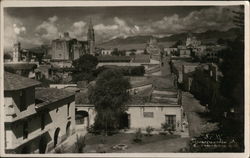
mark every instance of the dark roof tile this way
{"type": "Point", "coordinates": [17, 82]}
{"type": "Point", "coordinates": [50, 95]}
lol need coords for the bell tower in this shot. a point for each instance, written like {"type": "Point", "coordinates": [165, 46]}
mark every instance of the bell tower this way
{"type": "Point", "coordinates": [91, 38]}
{"type": "Point", "coordinates": [16, 52]}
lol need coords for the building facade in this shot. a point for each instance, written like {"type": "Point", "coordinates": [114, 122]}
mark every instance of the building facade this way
{"type": "Point", "coordinates": [17, 52]}
{"type": "Point", "coordinates": [36, 120]}
{"type": "Point", "coordinates": [67, 48]}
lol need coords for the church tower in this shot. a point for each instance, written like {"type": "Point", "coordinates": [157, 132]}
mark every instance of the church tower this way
{"type": "Point", "coordinates": [91, 38]}
{"type": "Point", "coordinates": [16, 52]}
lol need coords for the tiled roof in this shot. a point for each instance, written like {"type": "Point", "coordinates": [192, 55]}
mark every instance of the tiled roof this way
{"type": "Point", "coordinates": [150, 104]}
{"type": "Point", "coordinates": [17, 82]}
{"type": "Point", "coordinates": [21, 66]}
{"type": "Point", "coordinates": [140, 83]}
{"type": "Point", "coordinates": [49, 95]}
{"type": "Point", "coordinates": [109, 58]}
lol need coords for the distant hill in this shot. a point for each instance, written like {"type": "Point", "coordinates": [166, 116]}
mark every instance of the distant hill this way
{"type": "Point", "coordinates": [139, 42]}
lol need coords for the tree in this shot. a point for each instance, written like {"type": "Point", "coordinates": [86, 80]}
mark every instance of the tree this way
{"type": "Point", "coordinates": [86, 63]}
{"type": "Point", "coordinates": [177, 43]}
{"type": "Point", "coordinates": [232, 82]}
{"type": "Point", "coordinates": [7, 56]}
{"type": "Point", "coordinates": [118, 52]}
{"type": "Point", "coordinates": [84, 68]}
{"type": "Point", "coordinates": [39, 57]}
{"type": "Point", "coordinates": [109, 95]}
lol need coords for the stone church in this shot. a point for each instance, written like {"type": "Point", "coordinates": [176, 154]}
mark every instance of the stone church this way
{"type": "Point", "coordinates": [67, 49]}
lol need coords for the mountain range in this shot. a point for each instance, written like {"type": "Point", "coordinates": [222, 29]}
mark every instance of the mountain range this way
{"type": "Point", "coordinates": [139, 42]}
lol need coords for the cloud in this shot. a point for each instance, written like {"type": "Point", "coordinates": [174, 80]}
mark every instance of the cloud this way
{"type": "Point", "coordinates": [212, 18]}
{"type": "Point", "coordinates": [78, 30]}
{"type": "Point", "coordinates": [48, 30]}
{"type": "Point", "coordinates": [30, 30]}
{"type": "Point", "coordinates": [119, 28]}
{"type": "Point", "coordinates": [19, 29]}
{"type": "Point", "coordinates": [14, 30]}
{"type": "Point", "coordinates": [53, 19]}
{"type": "Point", "coordinates": [219, 18]}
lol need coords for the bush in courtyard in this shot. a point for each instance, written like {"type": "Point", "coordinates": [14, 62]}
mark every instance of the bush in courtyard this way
{"type": "Point", "coordinates": [101, 149]}
{"type": "Point", "coordinates": [60, 149]}
{"type": "Point", "coordinates": [138, 136]}
{"type": "Point", "coordinates": [79, 144]}
{"type": "Point", "coordinates": [149, 130]}
{"type": "Point", "coordinates": [167, 127]}
{"type": "Point", "coordinates": [91, 129]}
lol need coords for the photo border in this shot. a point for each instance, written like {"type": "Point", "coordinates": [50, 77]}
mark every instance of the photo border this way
{"type": "Point", "coordinates": [5, 4]}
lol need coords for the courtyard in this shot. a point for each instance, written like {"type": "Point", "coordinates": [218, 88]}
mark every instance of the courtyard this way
{"type": "Point", "coordinates": [149, 144]}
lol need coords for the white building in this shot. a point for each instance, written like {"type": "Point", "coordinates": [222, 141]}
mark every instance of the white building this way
{"type": "Point", "coordinates": [149, 106]}
{"type": "Point", "coordinates": [106, 52]}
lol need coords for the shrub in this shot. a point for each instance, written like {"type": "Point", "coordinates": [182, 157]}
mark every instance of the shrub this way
{"type": "Point", "coordinates": [79, 144]}
{"type": "Point", "coordinates": [149, 130]}
{"type": "Point", "coordinates": [138, 136]}
{"type": "Point", "coordinates": [91, 129]}
{"type": "Point", "coordinates": [60, 149]}
{"type": "Point", "coordinates": [167, 127]}
{"type": "Point", "coordinates": [101, 149]}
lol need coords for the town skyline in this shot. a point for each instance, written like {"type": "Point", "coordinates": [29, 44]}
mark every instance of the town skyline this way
{"type": "Point", "coordinates": [31, 28]}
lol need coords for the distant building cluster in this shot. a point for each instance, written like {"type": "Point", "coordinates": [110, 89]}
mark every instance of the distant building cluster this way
{"type": "Point", "coordinates": [192, 42]}
{"type": "Point", "coordinates": [194, 48]}
{"type": "Point", "coordinates": [153, 49]}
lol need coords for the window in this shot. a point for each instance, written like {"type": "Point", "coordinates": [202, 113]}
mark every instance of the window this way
{"type": "Point", "coordinates": [42, 121]}
{"type": "Point", "coordinates": [23, 100]}
{"type": "Point", "coordinates": [148, 114]}
{"type": "Point", "coordinates": [68, 109]}
{"type": "Point", "coordinates": [171, 120]}
{"type": "Point", "coordinates": [25, 130]}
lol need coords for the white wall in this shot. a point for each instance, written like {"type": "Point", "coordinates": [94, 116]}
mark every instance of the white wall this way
{"type": "Point", "coordinates": [12, 104]}
{"type": "Point", "coordinates": [139, 121]}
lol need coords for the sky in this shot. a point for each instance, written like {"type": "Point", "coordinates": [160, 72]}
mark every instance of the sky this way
{"type": "Point", "coordinates": [33, 26]}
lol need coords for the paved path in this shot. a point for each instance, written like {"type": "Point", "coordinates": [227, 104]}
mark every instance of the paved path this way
{"type": "Point", "coordinates": [197, 124]}
{"type": "Point", "coordinates": [165, 69]}
{"type": "Point", "coordinates": [70, 141]}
